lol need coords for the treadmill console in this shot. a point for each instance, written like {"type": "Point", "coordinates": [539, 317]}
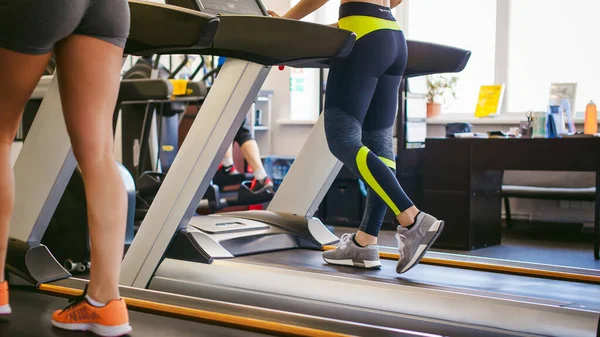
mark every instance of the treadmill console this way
{"type": "Point", "coordinates": [215, 7]}
{"type": "Point", "coordinates": [223, 224]}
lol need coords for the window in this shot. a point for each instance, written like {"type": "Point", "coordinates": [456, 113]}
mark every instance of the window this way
{"type": "Point", "coordinates": [552, 41]}
{"type": "Point", "coordinates": [304, 83]}
{"type": "Point", "coordinates": [468, 24]}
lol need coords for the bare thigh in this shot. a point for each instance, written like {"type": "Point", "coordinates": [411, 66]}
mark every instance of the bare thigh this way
{"type": "Point", "coordinates": [20, 75]}
{"type": "Point", "coordinates": [89, 76]}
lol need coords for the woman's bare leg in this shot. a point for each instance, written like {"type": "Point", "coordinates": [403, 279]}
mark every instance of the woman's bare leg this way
{"type": "Point", "coordinates": [251, 153]}
{"type": "Point", "coordinates": [89, 75]}
{"type": "Point", "coordinates": [228, 157]}
{"type": "Point", "coordinates": [20, 73]}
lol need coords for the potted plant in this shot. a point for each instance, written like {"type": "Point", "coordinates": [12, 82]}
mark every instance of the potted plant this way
{"type": "Point", "coordinates": [438, 88]}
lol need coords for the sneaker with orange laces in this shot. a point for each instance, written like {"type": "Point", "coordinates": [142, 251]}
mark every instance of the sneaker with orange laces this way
{"type": "Point", "coordinates": [4, 306]}
{"type": "Point", "coordinates": [111, 320]}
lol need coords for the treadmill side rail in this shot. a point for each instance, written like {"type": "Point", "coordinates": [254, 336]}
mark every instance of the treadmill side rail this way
{"type": "Point", "coordinates": [42, 170]}
{"type": "Point", "coordinates": [192, 245]}
{"type": "Point", "coordinates": [295, 196]}
{"type": "Point", "coordinates": [34, 263]}
{"type": "Point", "coordinates": [208, 139]}
{"type": "Point", "coordinates": [318, 230]}
{"type": "Point", "coordinates": [310, 229]}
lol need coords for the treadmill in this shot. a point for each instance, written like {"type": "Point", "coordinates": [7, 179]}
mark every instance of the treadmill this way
{"type": "Point", "coordinates": [38, 281]}
{"type": "Point", "coordinates": [273, 257]}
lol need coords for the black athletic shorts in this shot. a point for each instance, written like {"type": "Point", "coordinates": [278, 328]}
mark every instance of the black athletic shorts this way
{"type": "Point", "coordinates": [243, 135]}
{"type": "Point", "coordinates": [35, 26]}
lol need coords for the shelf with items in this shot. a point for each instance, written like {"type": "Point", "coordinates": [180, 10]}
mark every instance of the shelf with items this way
{"type": "Point", "coordinates": [259, 121]}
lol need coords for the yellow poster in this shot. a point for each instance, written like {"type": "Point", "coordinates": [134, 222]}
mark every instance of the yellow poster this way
{"type": "Point", "coordinates": [490, 100]}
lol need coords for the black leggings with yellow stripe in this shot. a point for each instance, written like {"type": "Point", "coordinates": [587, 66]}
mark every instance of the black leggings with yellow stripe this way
{"type": "Point", "coordinates": [361, 103]}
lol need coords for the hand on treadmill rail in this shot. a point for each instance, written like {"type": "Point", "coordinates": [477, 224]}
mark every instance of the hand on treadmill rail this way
{"type": "Point", "coordinates": [273, 14]}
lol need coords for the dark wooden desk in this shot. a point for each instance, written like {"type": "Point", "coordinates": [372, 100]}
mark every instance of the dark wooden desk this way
{"type": "Point", "coordinates": [462, 181]}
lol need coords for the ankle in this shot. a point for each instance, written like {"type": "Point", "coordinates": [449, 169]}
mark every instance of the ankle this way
{"type": "Point", "coordinates": [94, 302]}
{"type": "Point", "coordinates": [260, 174]}
{"type": "Point", "coordinates": [227, 162]}
{"type": "Point", "coordinates": [363, 239]}
{"type": "Point", "coordinates": [102, 295]}
{"type": "Point", "coordinates": [408, 217]}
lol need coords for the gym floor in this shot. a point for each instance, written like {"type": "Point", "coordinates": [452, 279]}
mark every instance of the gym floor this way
{"type": "Point", "coordinates": [548, 243]}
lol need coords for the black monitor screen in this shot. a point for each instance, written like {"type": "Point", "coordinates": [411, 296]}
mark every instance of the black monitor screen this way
{"type": "Point", "coordinates": [242, 7]}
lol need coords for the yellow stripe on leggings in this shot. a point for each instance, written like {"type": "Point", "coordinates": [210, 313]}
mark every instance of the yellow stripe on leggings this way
{"type": "Point", "coordinates": [390, 163]}
{"type": "Point", "coordinates": [363, 168]}
{"type": "Point", "coordinates": [363, 25]}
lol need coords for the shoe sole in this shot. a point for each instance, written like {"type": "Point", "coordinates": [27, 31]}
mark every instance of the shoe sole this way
{"type": "Point", "coordinates": [98, 329]}
{"type": "Point", "coordinates": [5, 310]}
{"type": "Point", "coordinates": [366, 264]}
{"type": "Point", "coordinates": [438, 227]}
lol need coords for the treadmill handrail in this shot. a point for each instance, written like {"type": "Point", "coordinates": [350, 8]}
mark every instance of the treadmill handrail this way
{"type": "Point", "coordinates": [424, 58]}
{"type": "Point", "coordinates": [268, 41]}
{"type": "Point", "coordinates": [161, 29]}
{"type": "Point", "coordinates": [145, 89]}
{"type": "Point", "coordinates": [279, 41]}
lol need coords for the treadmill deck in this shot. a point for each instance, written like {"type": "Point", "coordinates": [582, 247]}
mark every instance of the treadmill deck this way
{"type": "Point", "coordinates": [529, 289]}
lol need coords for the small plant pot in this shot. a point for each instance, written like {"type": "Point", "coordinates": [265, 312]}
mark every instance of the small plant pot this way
{"type": "Point", "coordinates": [433, 109]}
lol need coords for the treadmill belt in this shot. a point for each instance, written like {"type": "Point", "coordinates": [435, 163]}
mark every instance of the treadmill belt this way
{"type": "Point", "coordinates": [563, 293]}
{"type": "Point", "coordinates": [32, 313]}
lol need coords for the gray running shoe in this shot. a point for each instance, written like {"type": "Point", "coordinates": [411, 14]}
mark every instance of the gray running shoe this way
{"type": "Point", "coordinates": [349, 254]}
{"type": "Point", "coordinates": [413, 243]}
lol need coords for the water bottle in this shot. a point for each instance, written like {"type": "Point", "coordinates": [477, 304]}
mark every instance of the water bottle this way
{"type": "Point", "coordinates": [540, 124]}
{"type": "Point", "coordinates": [567, 113]}
{"type": "Point", "coordinates": [591, 119]}
{"type": "Point", "coordinates": [553, 123]}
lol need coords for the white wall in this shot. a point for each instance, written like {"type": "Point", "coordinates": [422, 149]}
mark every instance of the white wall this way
{"type": "Point", "coordinates": [288, 139]}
